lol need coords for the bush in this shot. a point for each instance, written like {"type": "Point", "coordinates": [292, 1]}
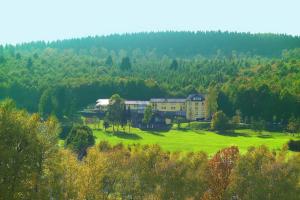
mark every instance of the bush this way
{"type": "Point", "coordinates": [258, 125]}
{"type": "Point", "coordinates": [220, 121]}
{"type": "Point", "coordinates": [293, 125]}
{"type": "Point", "coordinates": [294, 145]}
{"type": "Point", "coordinates": [104, 146]}
{"type": "Point", "coordinates": [65, 130]}
{"type": "Point", "coordinates": [79, 139]}
{"type": "Point", "coordinates": [200, 125]}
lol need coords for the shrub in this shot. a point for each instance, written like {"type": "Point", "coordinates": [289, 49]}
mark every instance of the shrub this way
{"type": "Point", "coordinates": [220, 121]}
{"type": "Point", "coordinates": [293, 125]}
{"type": "Point", "coordinates": [294, 145]}
{"type": "Point", "coordinates": [104, 146]}
{"type": "Point", "coordinates": [65, 131]}
{"type": "Point", "coordinates": [200, 125]}
{"type": "Point", "coordinates": [258, 125]}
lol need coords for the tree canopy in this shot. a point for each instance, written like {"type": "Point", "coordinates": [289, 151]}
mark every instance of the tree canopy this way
{"type": "Point", "coordinates": [253, 73]}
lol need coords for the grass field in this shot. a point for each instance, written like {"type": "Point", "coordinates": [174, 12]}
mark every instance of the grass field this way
{"type": "Point", "coordinates": [189, 139]}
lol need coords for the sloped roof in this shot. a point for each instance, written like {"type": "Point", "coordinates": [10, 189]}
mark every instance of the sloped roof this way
{"type": "Point", "coordinates": [102, 102]}
{"type": "Point", "coordinates": [136, 102]}
{"type": "Point", "coordinates": [161, 100]}
{"type": "Point", "coordinates": [196, 97]}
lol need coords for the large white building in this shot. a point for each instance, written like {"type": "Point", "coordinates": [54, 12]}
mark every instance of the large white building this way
{"type": "Point", "coordinates": [192, 107]}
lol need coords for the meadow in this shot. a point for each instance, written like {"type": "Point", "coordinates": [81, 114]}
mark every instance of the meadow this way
{"type": "Point", "coordinates": [191, 139]}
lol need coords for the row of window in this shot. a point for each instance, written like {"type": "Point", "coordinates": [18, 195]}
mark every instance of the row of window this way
{"type": "Point", "coordinates": [171, 108]}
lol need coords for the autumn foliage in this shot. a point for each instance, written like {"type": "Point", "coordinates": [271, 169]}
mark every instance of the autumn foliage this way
{"type": "Point", "coordinates": [33, 166]}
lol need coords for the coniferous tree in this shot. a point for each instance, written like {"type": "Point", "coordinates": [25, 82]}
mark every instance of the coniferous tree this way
{"type": "Point", "coordinates": [125, 64]}
{"type": "Point", "coordinates": [174, 65]}
{"type": "Point", "coordinates": [29, 63]}
{"type": "Point", "coordinates": [109, 61]}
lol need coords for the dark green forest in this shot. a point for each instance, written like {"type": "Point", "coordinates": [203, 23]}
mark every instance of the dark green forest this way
{"type": "Point", "coordinates": [256, 74]}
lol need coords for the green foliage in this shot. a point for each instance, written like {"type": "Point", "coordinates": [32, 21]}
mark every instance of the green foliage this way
{"type": "Point", "coordinates": [258, 125]}
{"type": "Point", "coordinates": [220, 121]}
{"type": "Point", "coordinates": [48, 103]}
{"type": "Point", "coordinates": [294, 145]}
{"type": "Point", "coordinates": [147, 115]}
{"type": "Point", "coordinates": [179, 120]}
{"type": "Point", "coordinates": [125, 64]}
{"type": "Point", "coordinates": [236, 120]}
{"type": "Point", "coordinates": [293, 125]}
{"type": "Point", "coordinates": [211, 104]}
{"type": "Point", "coordinates": [255, 78]}
{"type": "Point", "coordinates": [115, 109]}
{"type": "Point", "coordinates": [33, 167]}
{"type": "Point", "coordinates": [79, 139]}
{"type": "Point", "coordinates": [174, 65]}
{"type": "Point", "coordinates": [29, 63]}
{"type": "Point", "coordinates": [8, 104]}
{"type": "Point", "coordinates": [28, 152]}
{"type": "Point", "coordinates": [183, 43]}
{"type": "Point", "coordinates": [109, 61]}
{"type": "Point", "coordinates": [105, 125]}
{"type": "Point", "coordinates": [261, 174]}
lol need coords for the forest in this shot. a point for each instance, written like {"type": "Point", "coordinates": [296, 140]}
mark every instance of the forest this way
{"type": "Point", "coordinates": [257, 75]}
{"type": "Point", "coordinates": [251, 79]}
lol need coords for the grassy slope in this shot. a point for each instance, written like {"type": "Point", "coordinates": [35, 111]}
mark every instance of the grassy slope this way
{"type": "Point", "coordinates": [196, 140]}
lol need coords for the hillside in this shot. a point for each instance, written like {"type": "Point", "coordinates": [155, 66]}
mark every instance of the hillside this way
{"type": "Point", "coordinates": [177, 44]}
{"type": "Point", "coordinates": [251, 72]}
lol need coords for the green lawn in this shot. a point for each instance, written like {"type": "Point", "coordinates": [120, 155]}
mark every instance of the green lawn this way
{"type": "Point", "coordinates": [195, 140]}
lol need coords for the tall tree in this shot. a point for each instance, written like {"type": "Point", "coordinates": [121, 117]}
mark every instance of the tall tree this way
{"type": "Point", "coordinates": [29, 63]}
{"type": "Point", "coordinates": [79, 139]}
{"type": "Point", "coordinates": [220, 121]}
{"type": "Point", "coordinates": [174, 65]}
{"type": "Point", "coordinates": [125, 64]}
{"type": "Point", "coordinates": [109, 61]}
{"type": "Point", "coordinates": [293, 125]}
{"type": "Point", "coordinates": [115, 109]}
{"type": "Point", "coordinates": [211, 104]}
{"type": "Point", "coordinates": [219, 171]}
{"type": "Point", "coordinates": [28, 152]}
{"type": "Point", "coordinates": [2, 59]}
{"type": "Point", "coordinates": [147, 115]}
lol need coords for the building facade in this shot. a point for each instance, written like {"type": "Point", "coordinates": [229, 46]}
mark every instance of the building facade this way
{"type": "Point", "coordinates": [136, 106]}
{"type": "Point", "coordinates": [173, 107]}
{"type": "Point", "coordinates": [195, 107]}
{"type": "Point", "coordinates": [192, 108]}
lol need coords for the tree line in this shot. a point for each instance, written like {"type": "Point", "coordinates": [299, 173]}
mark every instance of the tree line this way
{"type": "Point", "coordinates": [176, 44]}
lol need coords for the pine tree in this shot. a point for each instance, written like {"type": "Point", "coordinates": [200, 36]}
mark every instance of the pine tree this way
{"type": "Point", "coordinates": [125, 64]}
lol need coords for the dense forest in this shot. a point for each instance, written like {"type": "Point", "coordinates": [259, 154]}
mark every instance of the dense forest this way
{"type": "Point", "coordinates": [256, 74]}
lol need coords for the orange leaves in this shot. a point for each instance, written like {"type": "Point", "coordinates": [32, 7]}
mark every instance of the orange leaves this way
{"type": "Point", "coordinates": [219, 171]}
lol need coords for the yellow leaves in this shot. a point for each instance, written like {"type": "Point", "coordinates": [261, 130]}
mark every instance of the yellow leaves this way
{"type": "Point", "coordinates": [33, 167]}
{"type": "Point", "coordinates": [82, 179]}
